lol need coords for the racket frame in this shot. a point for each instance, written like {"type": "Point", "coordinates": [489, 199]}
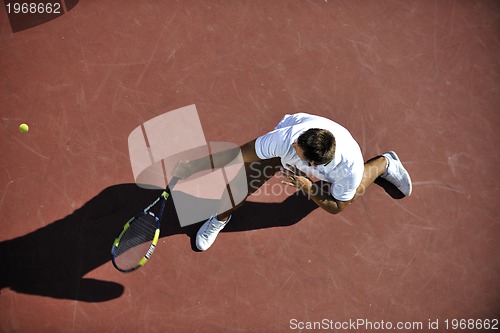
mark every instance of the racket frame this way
{"type": "Point", "coordinates": [164, 197]}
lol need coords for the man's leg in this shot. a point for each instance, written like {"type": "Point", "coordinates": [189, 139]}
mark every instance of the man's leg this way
{"type": "Point", "coordinates": [389, 167]}
{"type": "Point", "coordinates": [374, 168]}
{"type": "Point", "coordinates": [258, 172]}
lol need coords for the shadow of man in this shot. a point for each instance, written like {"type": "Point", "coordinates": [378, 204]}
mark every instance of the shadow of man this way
{"type": "Point", "coordinates": [52, 261]}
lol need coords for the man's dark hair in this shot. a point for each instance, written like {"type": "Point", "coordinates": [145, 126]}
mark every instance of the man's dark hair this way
{"type": "Point", "coordinates": [318, 145]}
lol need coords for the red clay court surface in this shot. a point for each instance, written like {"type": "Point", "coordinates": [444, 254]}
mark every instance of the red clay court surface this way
{"type": "Point", "coordinates": [418, 77]}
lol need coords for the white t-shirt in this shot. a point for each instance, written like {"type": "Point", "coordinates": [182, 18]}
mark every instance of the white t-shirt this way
{"type": "Point", "coordinates": [346, 169]}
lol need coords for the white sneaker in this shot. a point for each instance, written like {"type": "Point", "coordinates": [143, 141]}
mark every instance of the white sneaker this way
{"type": "Point", "coordinates": [396, 174]}
{"type": "Point", "coordinates": [208, 232]}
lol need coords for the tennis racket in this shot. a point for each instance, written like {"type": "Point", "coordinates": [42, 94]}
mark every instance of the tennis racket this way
{"type": "Point", "coordinates": [136, 243]}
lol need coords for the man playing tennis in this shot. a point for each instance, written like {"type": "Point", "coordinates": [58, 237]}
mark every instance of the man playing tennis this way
{"type": "Point", "coordinates": [305, 145]}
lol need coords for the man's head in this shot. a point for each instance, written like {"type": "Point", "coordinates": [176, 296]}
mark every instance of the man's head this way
{"type": "Point", "coordinates": [316, 146]}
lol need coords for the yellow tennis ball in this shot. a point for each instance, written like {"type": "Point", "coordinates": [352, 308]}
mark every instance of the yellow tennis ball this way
{"type": "Point", "coordinates": [24, 128]}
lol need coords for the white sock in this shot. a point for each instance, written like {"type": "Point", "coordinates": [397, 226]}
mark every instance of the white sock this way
{"type": "Point", "coordinates": [387, 166]}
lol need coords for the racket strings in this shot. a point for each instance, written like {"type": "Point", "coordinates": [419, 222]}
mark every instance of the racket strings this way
{"type": "Point", "coordinates": [136, 241]}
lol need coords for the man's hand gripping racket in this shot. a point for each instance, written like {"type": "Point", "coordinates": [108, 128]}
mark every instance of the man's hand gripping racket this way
{"type": "Point", "coordinates": [137, 241]}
